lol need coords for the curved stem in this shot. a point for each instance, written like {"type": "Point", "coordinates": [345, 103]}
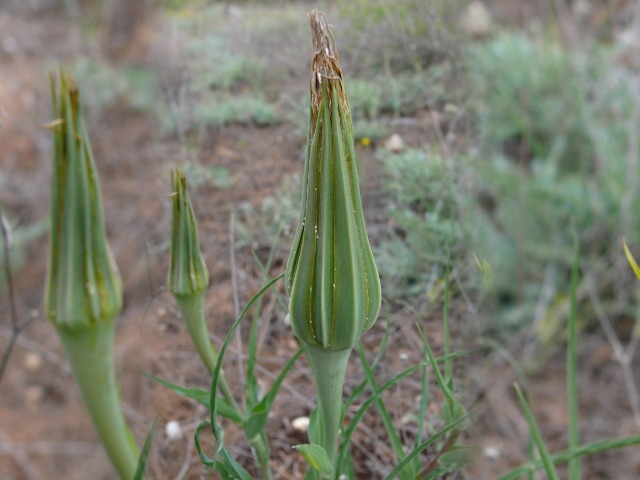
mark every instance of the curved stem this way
{"type": "Point", "coordinates": [192, 309]}
{"type": "Point", "coordinates": [329, 367]}
{"type": "Point", "coordinates": [90, 354]}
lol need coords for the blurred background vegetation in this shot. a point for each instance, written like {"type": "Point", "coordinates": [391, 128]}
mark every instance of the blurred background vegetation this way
{"type": "Point", "coordinates": [490, 136]}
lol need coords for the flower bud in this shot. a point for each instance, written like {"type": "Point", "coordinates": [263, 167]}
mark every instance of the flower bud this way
{"type": "Point", "coordinates": [83, 283]}
{"type": "Point", "coordinates": [331, 277]}
{"type": "Point", "coordinates": [188, 275]}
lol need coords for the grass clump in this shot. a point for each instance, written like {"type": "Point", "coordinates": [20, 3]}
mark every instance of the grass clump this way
{"type": "Point", "coordinates": [427, 210]}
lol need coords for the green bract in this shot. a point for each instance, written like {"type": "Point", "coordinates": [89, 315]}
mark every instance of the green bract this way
{"type": "Point", "coordinates": [83, 283]}
{"type": "Point", "coordinates": [188, 273]}
{"type": "Point", "coordinates": [331, 277]}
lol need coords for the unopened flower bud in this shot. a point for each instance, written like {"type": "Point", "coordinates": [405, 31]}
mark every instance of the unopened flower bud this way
{"type": "Point", "coordinates": [83, 283]}
{"type": "Point", "coordinates": [331, 277]}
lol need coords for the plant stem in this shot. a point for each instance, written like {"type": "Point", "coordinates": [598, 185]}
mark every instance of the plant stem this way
{"type": "Point", "coordinates": [260, 447]}
{"type": "Point", "coordinates": [192, 309]}
{"type": "Point", "coordinates": [90, 353]}
{"type": "Point", "coordinates": [329, 367]}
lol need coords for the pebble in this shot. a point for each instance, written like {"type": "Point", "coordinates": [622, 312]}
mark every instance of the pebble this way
{"type": "Point", "coordinates": [300, 424]}
{"type": "Point", "coordinates": [173, 430]}
{"type": "Point", "coordinates": [394, 143]}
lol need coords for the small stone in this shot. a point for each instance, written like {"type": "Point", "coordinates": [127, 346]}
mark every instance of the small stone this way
{"type": "Point", "coordinates": [476, 20]}
{"type": "Point", "coordinates": [491, 452]}
{"type": "Point", "coordinates": [394, 143]}
{"type": "Point", "coordinates": [32, 361]}
{"type": "Point", "coordinates": [173, 430]}
{"type": "Point", "coordinates": [300, 424]}
{"type": "Point", "coordinates": [404, 356]}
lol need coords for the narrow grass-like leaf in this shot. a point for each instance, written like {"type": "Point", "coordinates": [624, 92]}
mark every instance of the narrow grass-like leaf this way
{"type": "Point", "coordinates": [448, 366]}
{"type": "Point", "coordinates": [566, 455]}
{"type": "Point", "coordinates": [144, 453]}
{"type": "Point", "coordinates": [346, 437]}
{"type": "Point", "coordinates": [394, 439]}
{"type": "Point", "coordinates": [426, 444]}
{"type": "Point", "coordinates": [253, 347]}
{"type": "Point", "coordinates": [632, 261]}
{"type": "Point", "coordinates": [260, 413]}
{"type": "Point", "coordinates": [453, 408]}
{"type": "Point", "coordinates": [317, 458]}
{"type": "Point", "coordinates": [542, 448]}
{"type": "Point", "coordinates": [572, 367]}
{"type": "Point", "coordinates": [459, 455]}
{"type": "Point", "coordinates": [355, 394]}
{"type": "Point", "coordinates": [201, 396]}
{"type": "Point", "coordinates": [207, 461]}
{"type": "Point", "coordinates": [218, 432]}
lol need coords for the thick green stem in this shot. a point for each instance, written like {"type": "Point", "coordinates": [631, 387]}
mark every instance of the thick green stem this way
{"type": "Point", "coordinates": [329, 367]}
{"type": "Point", "coordinates": [90, 353]}
{"type": "Point", "coordinates": [192, 309]}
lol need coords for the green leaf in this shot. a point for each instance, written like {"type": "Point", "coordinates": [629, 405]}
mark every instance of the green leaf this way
{"type": "Point", "coordinates": [317, 458]}
{"type": "Point", "coordinates": [537, 438]}
{"type": "Point", "coordinates": [144, 454]}
{"type": "Point", "coordinates": [222, 455]}
{"type": "Point", "coordinates": [201, 396]}
{"type": "Point", "coordinates": [632, 261]}
{"type": "Point", "coordinates": [416, 451]}
{"type": "Point", "coordinates": [260, 413]}
{"type": "Point", "coordinates": [346, 437]}
{"type": "Point", "coordinates": [566, 455]}
{"type": "Point", "coordinates": [458, 455]}
{"type": "Point", "coordinates": [394, 438]}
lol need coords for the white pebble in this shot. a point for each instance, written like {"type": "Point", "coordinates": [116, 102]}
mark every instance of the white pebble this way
{"type": "Point", "coordinates": [32, 361]}
{"type": "Point", "coordinates": [491, 452]}
{"type": "Point", "coordinates": [173, 430]}
{"type": "Point", "coordinates": [300, 424]}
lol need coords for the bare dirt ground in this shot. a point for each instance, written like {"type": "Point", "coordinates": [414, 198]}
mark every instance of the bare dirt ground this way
{"type": "Point", "coordinates": [44, 432]}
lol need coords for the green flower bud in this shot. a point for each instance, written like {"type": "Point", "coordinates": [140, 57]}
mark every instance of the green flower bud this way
{"type": "Point", "coordinates": [84, 292]}
{"type": "Point", "coordinates": [331, 277]}
{"type": "Point", "coordinates": [83, 283]}
{"type": "Point", "coordinates": [188, 275]}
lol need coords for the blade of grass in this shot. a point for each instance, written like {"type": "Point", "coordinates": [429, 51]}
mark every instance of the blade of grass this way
{"type": "Point", "coordinates": [426, 444]}
{"type": "Point", "coordinates": [381, 349]}
{"type": "Point", "coordinates": [346, 437]}
{"type": "Point", "coordinates": [566, 455]}
{"type": "Point", "coordinates": [216, 428]}
{"type": "Point", "coordinates": [144, 453]}
{"type": "Point", "coordinates": [260, 413]}
{"type": "Point", "coordinates": [394, 439]}
{"type": "Point", "coordinates": [572, 368]}
{"type": "Point", "coordinates": [254, 348]}
{"type": "Point", "coordinates": [201, 396]}
{"type": "Point", "coordinates": [632, 261]}
{"type": "Point", "coordinates": [535, 433]}
{"type": "Point", "coordinates": [448, 375]}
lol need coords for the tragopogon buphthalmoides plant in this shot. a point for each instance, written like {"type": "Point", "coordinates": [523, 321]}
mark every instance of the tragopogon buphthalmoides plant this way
{"type": "Point", "coordinates": [331, 277]}
{"type": "Point", "coordinates": [83, 290]}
